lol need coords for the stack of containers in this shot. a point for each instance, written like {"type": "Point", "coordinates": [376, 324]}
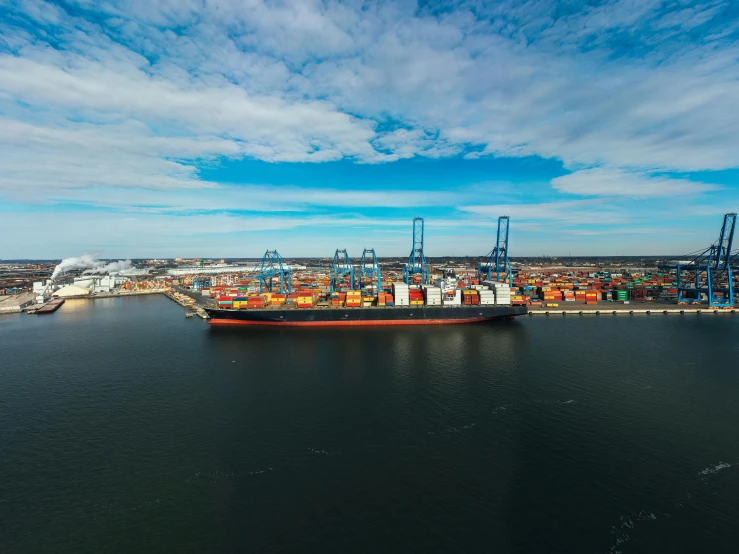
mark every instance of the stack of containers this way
{"type": "Point", "coordinates": [502, 294]}
{"type": "Point", "coordinates": [551, 295]}
{"type": "Point", "coordinates": [255, 302]}
{"type": "Point", "coordinates": [415, 296]}
{"type": "Point", "coordinates": [620, 295]}
{"type": "Point", "coordinates": [487, 297]}
{"type": "Point", "coordinates": [304, 301]}
{"type": "Point", "coordinates": [591, 297]}
{"type": "Point", "coordinates": [384, 299]}
{"type": "Point", "coordinates": [470, 297]}
{"type": "Point", "coordinates": [401, 294]}
{"type": "Point", "coordinates": [432, 296]}
{"type": "Point", "coordinates": [353, 299]}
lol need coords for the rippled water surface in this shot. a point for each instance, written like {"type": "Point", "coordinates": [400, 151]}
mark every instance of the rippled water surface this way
{"type": "Point", "coordinates": [128, 428]}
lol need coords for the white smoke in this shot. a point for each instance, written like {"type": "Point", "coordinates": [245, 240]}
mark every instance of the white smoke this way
{"type": "Point", "coordinates": [110, 268]}
{"type": "Point", "coordinates": [91, 265]}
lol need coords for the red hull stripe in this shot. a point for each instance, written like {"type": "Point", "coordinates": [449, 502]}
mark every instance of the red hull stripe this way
{"type": "Point", "coordinates": [340, 323]}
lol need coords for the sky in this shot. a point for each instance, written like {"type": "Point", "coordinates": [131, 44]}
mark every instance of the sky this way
{"type": "Point", "coordinates": [223, 128]}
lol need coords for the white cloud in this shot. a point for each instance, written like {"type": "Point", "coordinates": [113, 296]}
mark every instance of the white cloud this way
{"type": "Point", "coordinates": [614, 182]}
{"type": "Point", "coordinates": [268, 128]}
{"type": "Point", "coordinates": [129, 94]}
{"type": "Point", "coordinates": [591, 211]}
{"type": "Point", "coordinates": [249, 197]}
{"type": "Point", "coordinates": [280, 79]}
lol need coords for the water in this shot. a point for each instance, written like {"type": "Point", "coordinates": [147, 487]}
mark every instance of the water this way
{"type": "Point", "coordinates": [128, 428]}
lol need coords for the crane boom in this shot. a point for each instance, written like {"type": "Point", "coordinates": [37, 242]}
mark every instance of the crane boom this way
{"type": "Point", "coordinates": [725, 241]}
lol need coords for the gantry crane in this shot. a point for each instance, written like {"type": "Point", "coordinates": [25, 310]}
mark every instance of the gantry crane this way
{"type": "Point", "coordinates": [417, 259]}
{"type": "Point", "coordinates": [272, 267]}
{"type": "Point", "coordinates": [709, 272]}
{"type": "Point", "coordinates": [340, 268]}
{"type": "Point", "coordinates": [497, 264]}
{"type": "Point", "coordinates": [369, 269]}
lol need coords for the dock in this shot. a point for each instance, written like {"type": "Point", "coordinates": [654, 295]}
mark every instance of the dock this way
{"type": "Point", "coordinates": [187, 301]}
{"type": "Point", "coordinates": [625, 309]}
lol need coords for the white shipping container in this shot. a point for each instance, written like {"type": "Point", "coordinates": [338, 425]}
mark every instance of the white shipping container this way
{"type": "Point", "coordinates": [503, 302]}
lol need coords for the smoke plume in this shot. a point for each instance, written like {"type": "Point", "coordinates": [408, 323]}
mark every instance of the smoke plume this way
{"type": "Point", "coordinates": [111, 268]}
{"type": "Point", "coordinates": [91, 265]}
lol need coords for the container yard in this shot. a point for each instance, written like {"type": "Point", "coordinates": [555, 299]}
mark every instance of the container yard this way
{"type": "Point", "coordinates": [373, 291]}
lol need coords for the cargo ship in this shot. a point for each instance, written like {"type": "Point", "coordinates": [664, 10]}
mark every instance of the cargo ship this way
{"type": "Point", "coordinates": [424, 305]}
{"type": "Point", "coordinates": [331, 316]}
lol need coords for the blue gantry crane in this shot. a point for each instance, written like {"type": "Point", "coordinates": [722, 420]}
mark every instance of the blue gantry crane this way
{"type": "Point", "coordinates": [709, 272]}
{"type": "Point", "coordinates": [369, 270]}
{"type": "Point", "coordinates": [340, 268]}
{"type": "Point", "coordinates": [271, 267]}
{"type": "Point", "coordinates": [417, 259]}
{"type": "Point", "coordinates": [200, 283]}
{"type": "Point", "coordinates": [497, 264]}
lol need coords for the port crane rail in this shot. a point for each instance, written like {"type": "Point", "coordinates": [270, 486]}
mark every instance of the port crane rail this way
{"type": "Point", "coordinates": [271, 267]}
{"type": "Point", "coordinates": [709, 272]}
{"type": "Point", "coordinates": [340, 268]}
{"type": "Point", "coordinates": [498, 262]}
{"type": "Point", "coordinates": [417, 260]}
{"type": "Point", "coordinates": [369, 270]}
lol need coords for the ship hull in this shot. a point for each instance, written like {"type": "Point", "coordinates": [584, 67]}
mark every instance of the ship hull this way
{"type": "Point", "coordinates": [330, 317]}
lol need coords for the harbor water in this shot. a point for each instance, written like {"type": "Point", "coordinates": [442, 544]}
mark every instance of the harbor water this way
{"type": "Point", "coordinates": [128, 428]}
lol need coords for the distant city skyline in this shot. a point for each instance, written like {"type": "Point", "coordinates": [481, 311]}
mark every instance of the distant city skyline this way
{"type": "Point", "coordinates": [221, 129]}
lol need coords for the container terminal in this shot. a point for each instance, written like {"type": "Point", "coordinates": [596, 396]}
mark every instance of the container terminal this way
{"type": "Point", "coordinates": [371, 289]}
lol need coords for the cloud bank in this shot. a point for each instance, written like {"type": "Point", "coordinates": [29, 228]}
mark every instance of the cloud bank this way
{"type": "Point", "coordinates": [633, 99]}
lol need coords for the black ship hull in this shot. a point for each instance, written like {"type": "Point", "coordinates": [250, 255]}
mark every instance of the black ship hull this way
{"type": "Point", "coordinates": [415, 315]}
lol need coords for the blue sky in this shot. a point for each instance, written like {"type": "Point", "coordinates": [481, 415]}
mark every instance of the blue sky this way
{"type": "Point", "coordinates": [223, 128]}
